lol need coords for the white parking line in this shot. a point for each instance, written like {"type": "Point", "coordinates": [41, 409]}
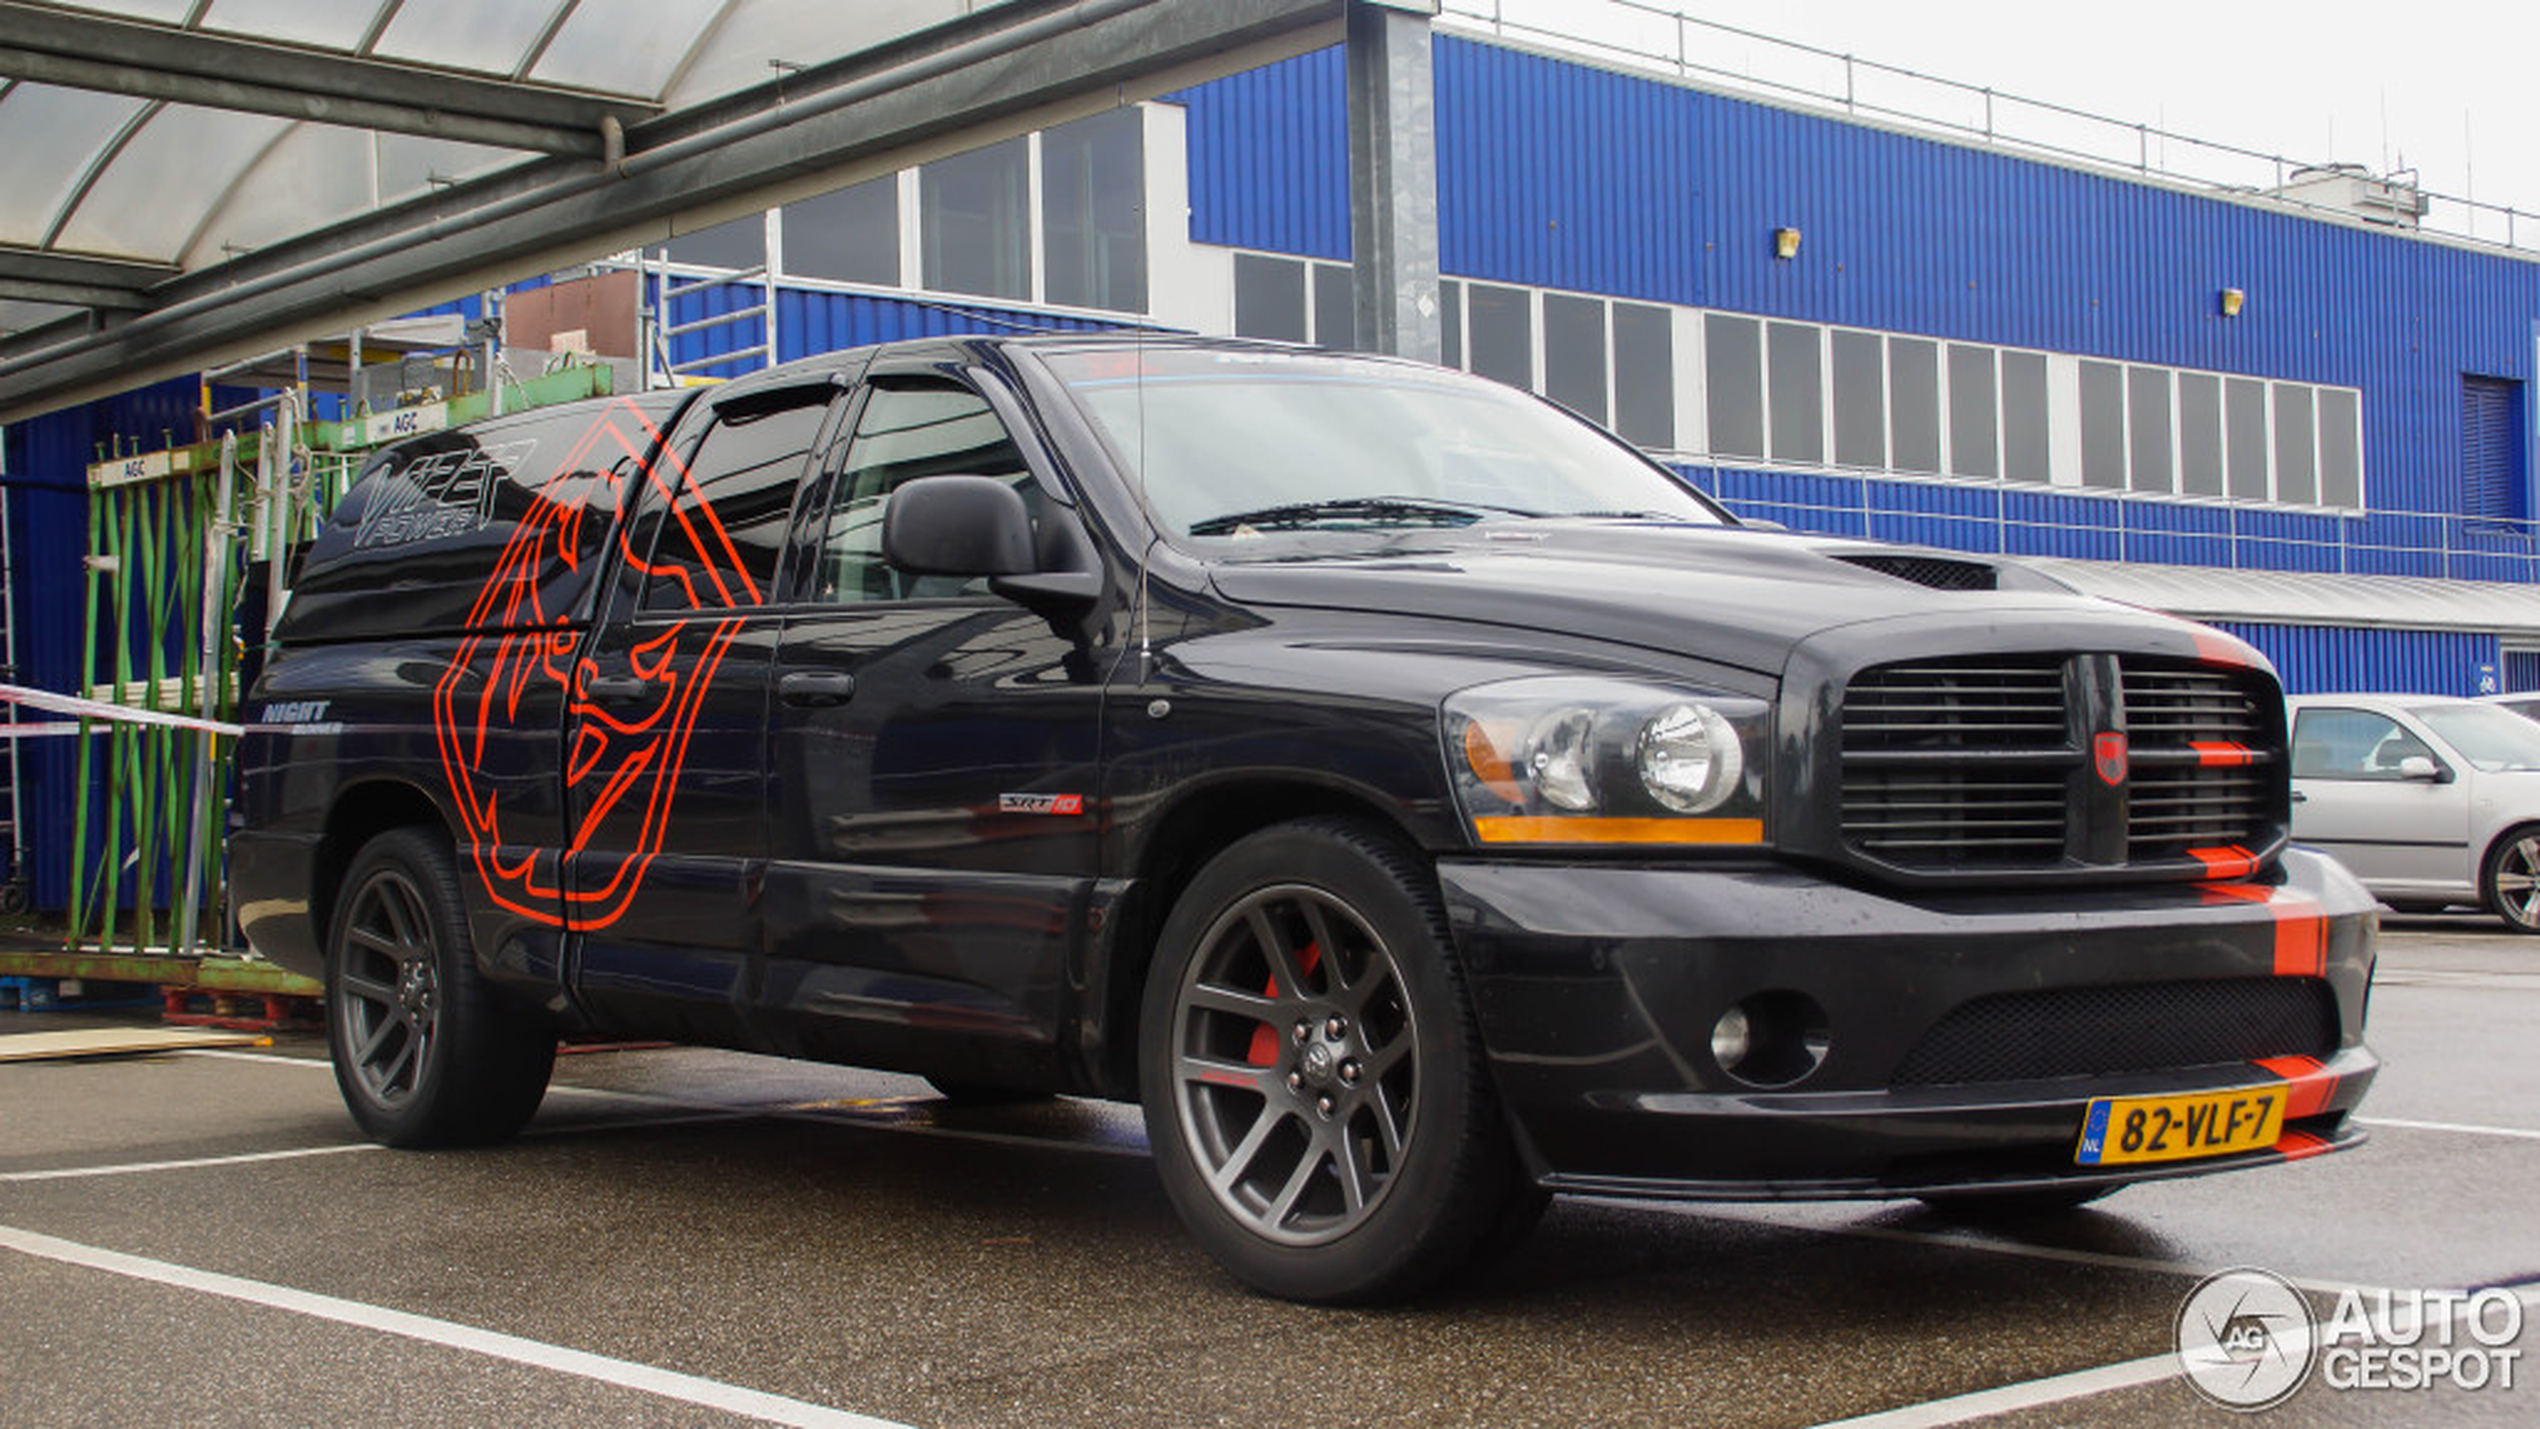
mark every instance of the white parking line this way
{"type": "Point", "coordinates": [2458, 1128]}
{"type": "Point", "coordinates": [648, 1379]}
{"type": "Point", "coordinates": [2079, 1384]}
{"type": "Point", "coordinates": [2029, 1394]}
{"type": "Point", "coordinates": [132, 1168]}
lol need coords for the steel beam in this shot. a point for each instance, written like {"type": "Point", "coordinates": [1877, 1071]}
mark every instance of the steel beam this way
{"type": "Point", "coordinates": [34, 276]}
{"type": "Point", "coordinates": [997, 72]}
{"type": "Point", "coordinates": [1393, 177]}
{"type": "Point", "coordinates": [80, 50]}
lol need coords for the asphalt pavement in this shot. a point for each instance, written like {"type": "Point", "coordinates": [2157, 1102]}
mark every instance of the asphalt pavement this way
{"type": "Point", "coordinates": [689, 1237]}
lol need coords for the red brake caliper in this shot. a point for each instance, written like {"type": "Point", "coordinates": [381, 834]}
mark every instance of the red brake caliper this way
{"type": "Point", "coordinates": [1265, 1038]}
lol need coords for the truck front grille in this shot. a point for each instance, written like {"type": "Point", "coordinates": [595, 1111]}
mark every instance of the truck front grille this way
{"type": "Point", "coordinates": [2073, 762]}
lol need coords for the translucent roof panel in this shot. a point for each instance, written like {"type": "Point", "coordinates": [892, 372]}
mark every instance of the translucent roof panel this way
{"type": "Point", "coordinates": [167, 181]}
{"type": "Point", "coordinates": [627, 46]}
{"type": "Point", "coordinates": [108, 174]}
{"type": "Point", "coordinates": [333, 24]}
{"type": "Point", "coordinates": [38, 178]}
{"type": "Point", "coordinates": [408, 165]}
{"type": "Point", "coordinates": [736, 54]}
{"type": "Point", "coordinates": [313, 168]}
{"type": "Point", "coordinates": [495, 36]}
{"type": "Point", "coordinates": [166, 12]}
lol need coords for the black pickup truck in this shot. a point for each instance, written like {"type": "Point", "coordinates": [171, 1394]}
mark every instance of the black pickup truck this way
{"type": "Point", "coordinates": [1416, 799]}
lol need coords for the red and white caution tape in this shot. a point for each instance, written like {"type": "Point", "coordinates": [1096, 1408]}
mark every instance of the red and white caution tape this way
{"type": "Point", "coordinates": [96, 710]}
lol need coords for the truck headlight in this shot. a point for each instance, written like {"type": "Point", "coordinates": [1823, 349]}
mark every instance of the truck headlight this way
{"type": "Point", "coordinates": [1589, 760]}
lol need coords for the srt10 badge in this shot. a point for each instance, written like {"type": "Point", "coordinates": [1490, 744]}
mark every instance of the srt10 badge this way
{"type": "Point", "coordinates": [1040, 803]}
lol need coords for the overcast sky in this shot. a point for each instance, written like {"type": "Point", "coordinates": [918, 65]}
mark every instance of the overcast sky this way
{"type": "Point", "coordinates": [2445, 86]}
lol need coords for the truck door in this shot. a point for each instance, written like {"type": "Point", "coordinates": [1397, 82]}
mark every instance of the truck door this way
{"type": "Point", "coordinates": [931, 771]}
{"type": "Point", "coordinates": [663, 741]}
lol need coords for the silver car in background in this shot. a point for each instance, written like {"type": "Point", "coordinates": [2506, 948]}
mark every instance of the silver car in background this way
{"type": "Point", "coordinates": [2432, 801]}
{"type": "Point", "coordinates": [2526, 703]}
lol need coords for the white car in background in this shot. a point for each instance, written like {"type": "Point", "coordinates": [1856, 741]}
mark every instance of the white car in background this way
{"type": "Point", "coordinates": [2526, 704]}
{"type": "Point", "coordinates": [2432, 801]}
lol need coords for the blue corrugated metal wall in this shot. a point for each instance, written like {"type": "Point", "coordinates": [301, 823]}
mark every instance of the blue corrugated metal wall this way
{"type": "Point", "coordinates": [811, 321]}
{"type": "Point", "coordinates": [2317, 658]}
{"type": "Point", "coordinates": [1557, 174]}
{"type": "Point", "coordinates": [1269, 158]}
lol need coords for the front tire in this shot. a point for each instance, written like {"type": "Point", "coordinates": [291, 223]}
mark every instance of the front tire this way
{"type": "Point", "coordinates": [426, 1052]}
{"type": "Point", "coordinates": [1312, 1079]}
{"type": "Point", "coordinates": [2511, 879]}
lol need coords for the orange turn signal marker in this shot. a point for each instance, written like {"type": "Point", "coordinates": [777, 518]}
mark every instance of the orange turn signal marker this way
{"type": "Point", "coordinates": [1481, 752]}
{"type": "Point", "coordinates": [1519, 829]}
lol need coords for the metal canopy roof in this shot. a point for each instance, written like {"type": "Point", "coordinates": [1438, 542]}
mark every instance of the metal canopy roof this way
{"type": "Point", "coordinates": [181, 180]}
{"type": "Point", "coordinates": [2303, 598]}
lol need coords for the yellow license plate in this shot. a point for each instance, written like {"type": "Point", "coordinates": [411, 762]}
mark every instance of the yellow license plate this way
{"type": "Point", "coordinates": [2125, 1129]}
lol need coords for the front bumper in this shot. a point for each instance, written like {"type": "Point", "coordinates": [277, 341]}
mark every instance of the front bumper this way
{"type": "Point", "coordinates": [1597, 987]}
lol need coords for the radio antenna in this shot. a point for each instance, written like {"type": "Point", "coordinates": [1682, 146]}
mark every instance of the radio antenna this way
{"type": "Point", "coordinates": [1155, 531]}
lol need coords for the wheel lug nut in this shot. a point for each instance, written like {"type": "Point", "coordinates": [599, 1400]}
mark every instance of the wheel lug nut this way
{"type": "Point", "coordinates": [1349, 1073]}
{"type": "Point", "coordinates": [1337, 1028]}
{"type": "Point", "coordinates": [1304, 1029]}
{"type": "Point", "coordinates": [1296, 1081]}
{"type": "Point", "coordinates": [1323, 1105]}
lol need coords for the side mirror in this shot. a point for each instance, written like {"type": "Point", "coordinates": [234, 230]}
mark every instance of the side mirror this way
{"type": "Point", "coordinates": [957, 526]}
{"type": "Point", "coordinates": [2418, 768]}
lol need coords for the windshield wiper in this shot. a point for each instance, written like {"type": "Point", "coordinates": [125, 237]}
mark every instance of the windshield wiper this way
{"type": "Point", "coordinates": [1404, 509]}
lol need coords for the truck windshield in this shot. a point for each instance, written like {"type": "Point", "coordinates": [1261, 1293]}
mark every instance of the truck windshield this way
{"type": "Point", "coordinates": [1233, 444]}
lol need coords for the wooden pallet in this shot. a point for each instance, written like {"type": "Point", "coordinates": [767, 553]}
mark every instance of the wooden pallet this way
{"type": "Point", "coordinates": [241, 1011]}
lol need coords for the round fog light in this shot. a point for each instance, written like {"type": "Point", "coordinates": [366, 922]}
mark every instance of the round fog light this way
{"type": "Point", "coordinates": [1729, 1040]}
{"type": "Point", "coordinates": [1772, 1039]}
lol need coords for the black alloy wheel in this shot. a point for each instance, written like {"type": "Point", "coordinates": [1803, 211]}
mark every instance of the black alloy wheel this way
{"type": "Point", "coordinates": [387, 991]}
{"type": "Point", "coordinates": [1295, 1077]}
{"type": "Point", "coordinates": [426, 1051]}
{"type": "Point", "coordinates": [1313, 1082]}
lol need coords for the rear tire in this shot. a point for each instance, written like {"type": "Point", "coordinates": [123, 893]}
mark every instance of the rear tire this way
{"type": "Point", "coordinates": [2511, 879]}
{"type": "Point", "coordinates": [1313, 1082]}
{"type": "Point", "coordinates": [426, 1051]}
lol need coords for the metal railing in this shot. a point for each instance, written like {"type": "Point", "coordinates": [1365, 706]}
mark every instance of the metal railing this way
{"type": "Point", "coordinates": [1663, 39]}
{"type": "Point", "coordinates": [666, 285]}
{"type": "Point", "coordinates": [2022, 518]}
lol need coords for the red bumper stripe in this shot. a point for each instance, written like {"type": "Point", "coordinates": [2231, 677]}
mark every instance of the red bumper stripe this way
{"type": "Point", "coordinates": [2233, 862]}
{"type": "Point", "coordinates": [2294, 1145]}
{"type": "Point", "coordinates": [2301, 931]}
{"type": "Point", "coordinates": [2313, 1086]}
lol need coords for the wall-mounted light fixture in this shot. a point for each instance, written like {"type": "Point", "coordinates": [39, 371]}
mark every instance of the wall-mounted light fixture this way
{"type": "Point", "coordinates": [1785, 242]}
{"type": "Point", "coordinates": [2232, 299]}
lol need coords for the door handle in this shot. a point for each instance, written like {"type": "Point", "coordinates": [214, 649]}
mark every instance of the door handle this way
{"type": "Point", "coordinates": [615, 689]}
{"type": "Point", "coordinates": [816, 689]}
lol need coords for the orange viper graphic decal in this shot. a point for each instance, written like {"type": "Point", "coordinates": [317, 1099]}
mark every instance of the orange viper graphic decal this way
{"type": "Point", "coordinates": [625, 759]}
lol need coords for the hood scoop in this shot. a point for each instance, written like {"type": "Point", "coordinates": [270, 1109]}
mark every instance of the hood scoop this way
{"type": "Point", "coordinates": [1937, 572]}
